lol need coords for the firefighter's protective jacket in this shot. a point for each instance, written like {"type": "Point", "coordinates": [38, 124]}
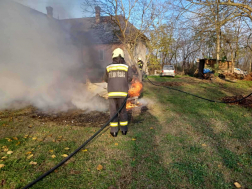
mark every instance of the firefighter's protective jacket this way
{"type": "Point", "coordinates": [118, 76]}
{"type": "Point", "coordinates": [140, 64]}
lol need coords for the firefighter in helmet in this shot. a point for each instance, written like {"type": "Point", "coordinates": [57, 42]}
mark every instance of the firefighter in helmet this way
{"type": "Point", "coordinates": [140, 64]}
{"type": "Point", "coordinates": [118, 75]}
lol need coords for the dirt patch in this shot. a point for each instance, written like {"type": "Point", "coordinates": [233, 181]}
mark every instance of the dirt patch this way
{"type": "Point", "coordinates": [247, 102]}
{"type": "Point", "coordinates": [248, 77]}
{"type": "Point", "coordinates": [208, 76]}
{"type": "Point", "coordinates": [233, 76]}
{"type": "Point", "coordinates": [80, 117]}
{"type": "Point", "coordinates": [194, 80]}
{"type": "Point", "coordinates": [73, 117]}
{"type": "Point", "coordinates": [171, 84]}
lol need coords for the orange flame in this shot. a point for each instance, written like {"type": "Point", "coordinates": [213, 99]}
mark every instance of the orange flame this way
{"type": "Point", "coordinates": [129, 105]}
{"type": "Point", "coordinates": [136, 88]}
{"type": "Point", "coordinates": [134, 91]}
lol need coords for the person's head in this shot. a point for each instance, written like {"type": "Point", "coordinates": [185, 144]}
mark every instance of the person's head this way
{"type": "Point", "coordinates": [139, 59]}
{"type": "Point", "coordinates": [118, 53]}
{"type": "Point", "coordinates": [118, 56]}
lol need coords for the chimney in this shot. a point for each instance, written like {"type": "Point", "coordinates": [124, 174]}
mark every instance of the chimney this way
{"type": "Point", "coordinates": [97, 14]}
{"type": "Point", "coordinates": [49, 12]}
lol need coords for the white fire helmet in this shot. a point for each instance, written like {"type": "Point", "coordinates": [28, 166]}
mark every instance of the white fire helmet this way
{"type": "Point", "coordinates": [139, 58]}
{"type": "Point", "coordinates": [118, 52]}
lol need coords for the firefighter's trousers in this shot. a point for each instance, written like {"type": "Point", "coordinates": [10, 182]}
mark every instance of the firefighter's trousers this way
{"type": "Point", "coordinates": [114, 105]}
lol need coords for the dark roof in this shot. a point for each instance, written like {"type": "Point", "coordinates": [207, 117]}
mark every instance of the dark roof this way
{"type": "Point", "coordinates": [105, 32]}
{"type": "Point", "coordinates": [86, 29]}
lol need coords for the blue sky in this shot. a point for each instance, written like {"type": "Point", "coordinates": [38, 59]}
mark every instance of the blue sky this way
{"type": "Point", "coordinates": [62, 9]}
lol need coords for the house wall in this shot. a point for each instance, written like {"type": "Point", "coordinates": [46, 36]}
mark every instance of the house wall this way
{"type": "Point", "coordinates": [140, 52]}
{"type": "Point", "coordinates": [91, 53]}
{"type": "Point", "coordinates": [96, 58]}
{"type": "Point", "coordinates": [96, 64]}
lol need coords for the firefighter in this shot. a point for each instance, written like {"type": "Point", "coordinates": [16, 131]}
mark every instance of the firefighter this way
{"type": "Point", "coordinates": [118, 75]}
{"type": "Point", "coordinates": [140, 64]}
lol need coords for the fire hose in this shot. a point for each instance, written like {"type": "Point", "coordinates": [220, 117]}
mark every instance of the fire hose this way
{"type": "Point", "coordinates": [200, 96]}
{"type": "Point", "coordinates": [118, 111]}
{"type": "Point", "coordinates": [78, 149]}
{"type": "Point", "coordinates": [197, 95]}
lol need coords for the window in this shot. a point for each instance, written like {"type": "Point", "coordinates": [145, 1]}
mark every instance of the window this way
{"type": "Point", "coordinates": [101, 54]}
{"type": "Point", "coordinates": [168, 67]}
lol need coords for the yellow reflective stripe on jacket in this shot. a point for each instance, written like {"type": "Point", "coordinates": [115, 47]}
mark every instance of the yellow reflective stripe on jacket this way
{"type": "Point", "coordinates": [117, 94]}
{"type": "Point", "coordinates": [114, 68]}
{"type": "Point", "coordinates": [123, 123]}
{"type": "Point", "coordinates": [114, 124]}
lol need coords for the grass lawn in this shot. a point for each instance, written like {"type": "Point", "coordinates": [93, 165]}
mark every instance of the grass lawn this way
{"type": "Point", "coordinates": [180, 142]}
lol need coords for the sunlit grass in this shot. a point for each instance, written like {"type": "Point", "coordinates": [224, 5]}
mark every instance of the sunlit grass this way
{"type": "Point", "coordinates": [180, 142]}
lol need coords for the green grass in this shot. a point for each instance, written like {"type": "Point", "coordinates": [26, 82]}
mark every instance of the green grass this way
{"type": "Point", "coordinates": [180, 142]}
{"type": "Point", "coordinates": [224, 129]}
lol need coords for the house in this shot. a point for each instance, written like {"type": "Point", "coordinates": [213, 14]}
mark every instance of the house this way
{"type": "Point", "coordinates": [98, 38]}
{"type": "Point", "coordinates": [95, 39]}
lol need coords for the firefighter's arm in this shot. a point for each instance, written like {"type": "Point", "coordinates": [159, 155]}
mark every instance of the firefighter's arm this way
{"type": "Point", "coordinates": [130, 74]}
{"type": "Point", "coordinates": [105, 77]}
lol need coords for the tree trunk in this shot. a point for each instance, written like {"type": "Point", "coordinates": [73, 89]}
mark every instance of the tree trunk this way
{"type": "Point", "coordinates": [218, 47]}
{"type": "Point", "coordinates": [232, 59]}
{"type": "Point", "coordinates": [217, 34]}
{"type": "Point", "coordinates": [250, 66]}
{"type": "Point", "coordinates": [201, 68]}
{"type": "Point", "coordinates": [183, 65]}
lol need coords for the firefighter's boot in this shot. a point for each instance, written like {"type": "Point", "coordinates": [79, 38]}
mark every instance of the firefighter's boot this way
{"type": "Point", "coordinates": [114, 134]}
{"type": "Point", "coordinates": [124, 132]}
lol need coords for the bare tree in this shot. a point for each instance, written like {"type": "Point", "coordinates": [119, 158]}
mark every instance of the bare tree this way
{"type": "Point", "coordinates": [130, 19]}
{"type": "Point", "coordinates": [244, 6]}
{"type": "Point", "coordinates": [215, 14]}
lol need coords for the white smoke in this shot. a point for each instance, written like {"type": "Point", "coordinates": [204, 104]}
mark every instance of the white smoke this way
{"type": "Point", "coordinates": [38, 64]}
{"type": "Point", "coordinates": [146, 101]}
{"type": "Point", "coordinates": [62, 9]}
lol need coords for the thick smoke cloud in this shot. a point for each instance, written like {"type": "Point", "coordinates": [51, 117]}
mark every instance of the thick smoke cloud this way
{"type": "Point", "coordinates": [38, 64]}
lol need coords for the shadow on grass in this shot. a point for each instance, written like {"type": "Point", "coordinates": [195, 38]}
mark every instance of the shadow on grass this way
{"type": "Point", "coordinates": [151, 170]}
{"type": "Point", "coordinates": [147, 166]}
